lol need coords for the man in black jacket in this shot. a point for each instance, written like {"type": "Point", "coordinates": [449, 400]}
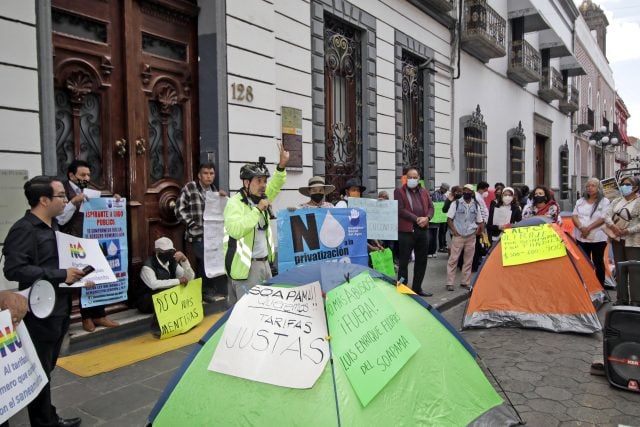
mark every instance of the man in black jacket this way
{"type": "Point", "coordinates": [31, 253]}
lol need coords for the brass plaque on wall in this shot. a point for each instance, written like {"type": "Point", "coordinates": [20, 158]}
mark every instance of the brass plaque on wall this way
{"type": "Point", "coordinates": [292, 135]}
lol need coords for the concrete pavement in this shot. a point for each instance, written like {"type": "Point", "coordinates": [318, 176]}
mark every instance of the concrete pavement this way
{"type": "Point", "coordinates": [546, 375]}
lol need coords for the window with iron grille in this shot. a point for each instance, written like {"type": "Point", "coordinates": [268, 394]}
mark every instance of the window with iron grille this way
{"type": "Point", "coordinates": [474, 148]}
{"type": "Point", "coordinates": [412, 114]}
{"type": "Point", "coordinates": [343, 103]}
{"type": "Point", "coordinates": [564, 172]}
{"type": "Point", "coordinates": [515, 161]}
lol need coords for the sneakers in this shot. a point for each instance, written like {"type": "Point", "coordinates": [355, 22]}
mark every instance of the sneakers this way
{"type": "Point", "coordinates": [211, 298]}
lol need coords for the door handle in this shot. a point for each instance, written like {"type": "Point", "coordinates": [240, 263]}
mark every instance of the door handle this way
{"type": "Point", "coordinates": [140, 148]}
{"type": "Point", "coordinates": [121, 147]}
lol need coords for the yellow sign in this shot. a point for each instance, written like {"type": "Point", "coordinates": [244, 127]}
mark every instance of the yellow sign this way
{"type": "Point", "coordinates": [179, 308]}
{"type": "Point", "coordinates": [522, 245]}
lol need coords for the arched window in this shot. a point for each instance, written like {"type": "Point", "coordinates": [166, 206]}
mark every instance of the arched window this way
{"type": "Point", "coordinates": [412, 113]}
{"type": "Point", "coordinates": [590, 97]}
{"type": "Point", "coordinates": [515, 161]}
{"type": "Point", "coordinates": [589, 162]}
{"type": "Point", "coordinates": [474, 147]}
{"type": "Point", "coordinates": [598, 120]}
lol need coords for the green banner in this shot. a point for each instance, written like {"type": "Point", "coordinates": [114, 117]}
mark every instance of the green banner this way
{"type": "Point", "coordinates": [438, 215]}
{"type": "Point", "coordinates": [382, 261]}
{"type": "Point", "coordinates": [368, 339]}
{"type": "Point", "coordinates": [179, 308]}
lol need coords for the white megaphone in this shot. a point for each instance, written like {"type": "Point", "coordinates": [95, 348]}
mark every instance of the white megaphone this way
{"type": "Point", "coordinates": [41, 297]}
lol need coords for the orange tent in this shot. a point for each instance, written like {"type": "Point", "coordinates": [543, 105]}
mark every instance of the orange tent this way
{"type": "Point", "coordinates": [556, 294]}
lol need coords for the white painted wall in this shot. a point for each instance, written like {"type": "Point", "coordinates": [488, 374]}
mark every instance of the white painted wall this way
{"type": "Point", "coordinates": [268, 47]}
{"type": "Point", "coordinates": [19, 105]}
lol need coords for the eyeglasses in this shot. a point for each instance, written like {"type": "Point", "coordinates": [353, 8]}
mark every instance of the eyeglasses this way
{"type": "Point", "coordinates": [61, 196]}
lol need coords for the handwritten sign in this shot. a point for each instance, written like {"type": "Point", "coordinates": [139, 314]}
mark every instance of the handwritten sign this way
{"type": "Point", "coordinates": [78, 252]}
{"type": "Point", "coordinates": [23, 377]}
{"type": "Point", "coordinates": [179, 308]}
{"type": "Point", "coordinates": [275, 336]}
{"type": "Point", "coordinates": [523, 245]}
{"type": "Point", "coordinates": [105, 219]}
{"type": "Point", "coordinates": [382, 217]}
{"type": "Point", "coordinates": [213, 230]}
{"type": "Point", "coordinates": [438, 215]}
{"type": "Point", "coordinates": [368, 339]}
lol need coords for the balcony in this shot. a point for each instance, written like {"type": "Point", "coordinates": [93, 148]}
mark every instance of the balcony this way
{"type": "Point", "coordinates": [551, 86]}
{"type": "Point", "coordinates": [483, 32]}
{"type": "Point", "coordinates": [525, 63]}
{"type": "Point", "coordinates": [622, 157]}
{"type": "Point", "coordinates": [569, 103]}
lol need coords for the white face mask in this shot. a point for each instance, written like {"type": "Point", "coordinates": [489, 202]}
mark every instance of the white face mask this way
{"type": "Point", "coordinates": [507, 200]}
{"type": "Point", "coordinates": [412, 182]}
{"type": "Point", "coordinates": [485, 194]}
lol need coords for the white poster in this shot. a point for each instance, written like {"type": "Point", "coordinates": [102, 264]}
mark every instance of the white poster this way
{"type": "Point", "coordinates": [80, 253]}
{"type": "Point", "coordinates": [275, 336]}
{"type": "Point", "coordinates": [501, 216]}
{"type": "Point", "coordinates": [213, 234]}
{"type": "Point", "coordinates": [89, 194]}
{"type": "Point", "coordinates": [22, 374]}
{"type": "Point", "coordinates": [382, 217]}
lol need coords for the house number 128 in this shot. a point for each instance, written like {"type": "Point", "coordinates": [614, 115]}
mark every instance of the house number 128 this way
{"type": "Point", "coordinates": [240, 92]}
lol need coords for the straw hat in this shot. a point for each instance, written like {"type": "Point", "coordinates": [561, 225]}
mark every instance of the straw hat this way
{"type": "Point", "coordinates": [316, 181]}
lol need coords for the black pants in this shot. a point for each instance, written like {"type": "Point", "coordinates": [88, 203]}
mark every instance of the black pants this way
{"type": "Point", "coordinates": [626, 253]}
{"type": "Point", "coordinates": [47, 335]}
{"type": "Point", "coordinates": [442, 235]}
{"type": "Point", "coordinates": [92, 312]}
{"type": "Point", "coordinates": [213, 285]}
{"type": "Point", "coordinates": [432, 247]}
{"type": "Point", "coordinates": [595, 252]}
{"type": "Point", "coordinates": [418, 242]}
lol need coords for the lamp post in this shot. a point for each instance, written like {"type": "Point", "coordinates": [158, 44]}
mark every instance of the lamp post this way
{"type": "Point", "coordinates": [602, 138]}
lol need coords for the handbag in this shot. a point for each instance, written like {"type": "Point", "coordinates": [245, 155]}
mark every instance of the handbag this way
{"type": "Point", "coordinates": [619, 221]}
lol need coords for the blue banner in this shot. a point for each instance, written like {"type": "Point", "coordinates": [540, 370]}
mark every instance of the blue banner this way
{"type": "Point", "coordinates": [105, 219]}
{"type": "Point", "coordinates": [311, 235]}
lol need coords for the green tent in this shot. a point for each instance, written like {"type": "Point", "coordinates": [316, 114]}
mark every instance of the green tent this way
{"type": "Point", "coordinates": [440, 385]}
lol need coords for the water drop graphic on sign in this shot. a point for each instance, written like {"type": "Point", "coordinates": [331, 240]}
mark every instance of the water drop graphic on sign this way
{"type": "Point", "coordinates": [332, 232]}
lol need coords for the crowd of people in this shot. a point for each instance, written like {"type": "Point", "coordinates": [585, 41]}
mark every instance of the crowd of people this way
{"type": "Point", "coordinates": [477, 215]}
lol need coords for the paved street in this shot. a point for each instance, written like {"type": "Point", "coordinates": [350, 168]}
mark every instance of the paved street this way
{"type": "Point", "coordinates": [546, 375]}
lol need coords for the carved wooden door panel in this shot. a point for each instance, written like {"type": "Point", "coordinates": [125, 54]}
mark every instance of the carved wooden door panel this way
{"type": "Point", "coordinates": [125, 86]}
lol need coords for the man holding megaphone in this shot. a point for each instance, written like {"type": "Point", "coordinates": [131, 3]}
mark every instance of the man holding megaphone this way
{"type": "Point", "coordinates": [31, 254]}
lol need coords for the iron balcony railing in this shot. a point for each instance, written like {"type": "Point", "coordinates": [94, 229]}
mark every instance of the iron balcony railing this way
{"type": "Point", "coordinates": [622, 157]}
{"type": "Point", "coordinates": [523, 55]}
{"type": "Point", "coordinates": [552, 79]}
{"type": "Point", "coordinates": [481, 19]}
{"type": "Point", "coordinates": [572, 94]}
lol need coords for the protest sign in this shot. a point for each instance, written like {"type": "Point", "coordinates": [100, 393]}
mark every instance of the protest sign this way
{"type": "Point", "coordinates": [523, 245]}
{"type": "Point", "coordinates": [382, 217]}
{"type": "Point", "coordinates": [179, 308]}
{"type": "Point", "coordinates": [78, 252]}
{"type": "Point", "coordinates": [105, 219]}
{"type": "Point", "coordinates": [382, 261]}
{"type": "Point", "coordinates": [312, 235]}
{"type": "Point", "coordinates": [23, 377]}
{"type": "Point", "coordinates": [213, 233]}
{"type": "Point", "coordinates": [89, 195]}
{"type": "Point", "coordinates": [275, 336]}
{"type": "Point", "coordinates": [610, 188]}
{"type": "Point", "coordinates": [368, 339]}
{"type": "Point", "coordinates": [438, 215]}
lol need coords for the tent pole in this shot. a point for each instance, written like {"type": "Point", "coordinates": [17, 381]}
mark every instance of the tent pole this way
{"type": "Point", "coordinates": [522, 422]}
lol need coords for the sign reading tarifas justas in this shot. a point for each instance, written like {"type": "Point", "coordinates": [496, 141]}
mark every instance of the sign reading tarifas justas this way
{"type": "Point", "coordinates": [522, 245]}
{"type": "Point", "coordinates": [179, 308]}
{"type": "Point", "coordinates": [368, 339]}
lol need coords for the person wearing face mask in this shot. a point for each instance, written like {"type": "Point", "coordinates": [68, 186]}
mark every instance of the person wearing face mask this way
{"type": "Point", "coordinates": [506, 207]}
{"type": "Point", "coordinates": [71, 221]}
{"type": "Point", "coordinates": [498, 187]}
{"type": "Point", "coordinates": [485, 196]}
{"type": "Point", "coordinates": [248, 244]}
{"type": "Point", "coordinates": [415, 210]}
{"type": "Point", "coordinates": [165, 269]}
{"type": "Point", "coordinates": [352, 188]}
{"type": "Point", "coordinates": [623, 222]}
{"type": "Point", "coordinates": [465, 222]}
{"type": "Point", "coordinates": [316, 190]}
{"type": "Point", "coordinates": [543, 204]}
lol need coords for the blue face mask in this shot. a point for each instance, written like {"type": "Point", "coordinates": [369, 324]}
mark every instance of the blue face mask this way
{"type": "Point", "coordinates": [626, 189]}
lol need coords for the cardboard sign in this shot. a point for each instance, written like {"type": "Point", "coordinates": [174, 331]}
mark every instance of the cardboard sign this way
{"type": "Point", "coordinates": [79, 253]}
{"type": "Point", "coordinates": [313, 235]}
{"type": "Point", "coordinates": [22, 375]}
{"type": "Point", "coordinates": [275, 336]}
{"type": "Point", "coordinates": [523, 245]}
{"type": "Point", "coordinates": [610, 188]}
{"type": "Point", "coordinates": [438, 216]}
{"type": "Point", "coordinates": [179, 308]}
{"type": "Point", "coordinates": [213, 219]}
{"type": "Point", "coordinates": [368, 339]}
{"type": "Point", "coordinates": [382, 217]}
{"type": "Point", "coordinates": [105, 219]}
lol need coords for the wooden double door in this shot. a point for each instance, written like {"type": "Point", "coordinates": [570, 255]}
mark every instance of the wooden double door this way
{"type": "Point", "coordinates": [125, 79]}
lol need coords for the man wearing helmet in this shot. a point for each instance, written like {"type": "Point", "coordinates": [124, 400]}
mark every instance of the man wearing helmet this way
{"type": "Point", "coordinates": [248, 247]}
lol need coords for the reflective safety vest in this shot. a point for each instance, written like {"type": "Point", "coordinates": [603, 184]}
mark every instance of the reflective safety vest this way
{"type": "Point", "coordinates": [240, 221]}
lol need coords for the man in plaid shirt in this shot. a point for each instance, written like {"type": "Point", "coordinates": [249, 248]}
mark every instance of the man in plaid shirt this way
{"type": "Point", "coordinates": [189, 210]}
